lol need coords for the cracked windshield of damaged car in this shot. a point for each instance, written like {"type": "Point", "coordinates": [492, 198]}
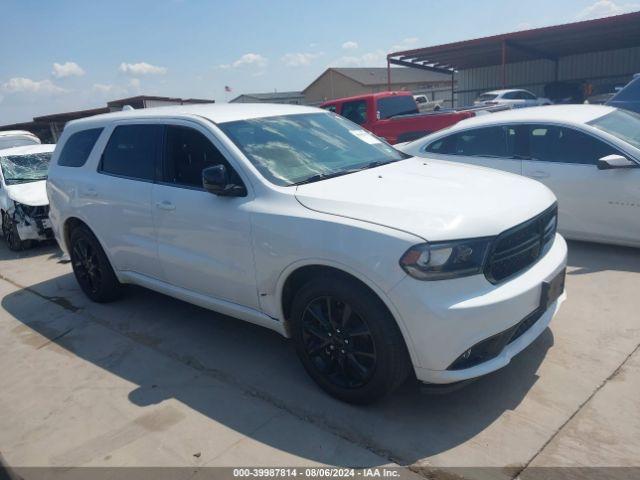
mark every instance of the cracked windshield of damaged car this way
{"type": "Point", "coordinates": [25, 168]}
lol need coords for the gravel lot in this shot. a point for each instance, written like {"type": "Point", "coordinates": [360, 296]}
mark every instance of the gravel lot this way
{"type": "Point", "coordinates": [152, 381]}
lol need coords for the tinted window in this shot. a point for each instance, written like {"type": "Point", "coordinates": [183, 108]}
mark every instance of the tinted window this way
{"type": "Point", "coordinates": [78, 147]}
{"type": "Point", "coordinates": [511, 95]}
{"type": "Point", "coordinates": [527, 96]}
{"type": "Point", "coordinates": [188, 152]}
{"type": "Point", "coordinates": [550, 143]}
{"type": "Point", "coordinates": [392, 106]}
{"type": "Point", "coordinates": [355, 111]}
{"type": "Point", "coordinates": [479, 142]}
{"type": "Point", "coordinates": [133, 151]}
{"type": "Point", "coordinates": [631, 92]}
{"type": "Point", "coordinates": [485, 97]}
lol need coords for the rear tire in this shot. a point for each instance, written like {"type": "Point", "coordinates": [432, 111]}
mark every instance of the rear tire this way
{"type": "Point", "coordinates": [347, 340]}
{"type": "Point", "coordinates": [91, 267]}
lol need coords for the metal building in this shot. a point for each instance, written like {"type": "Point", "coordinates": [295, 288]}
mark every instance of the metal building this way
{"type": "Point", "coordinates": [592, 55]}
{"type": "Point", "coordinates": [346, 82]}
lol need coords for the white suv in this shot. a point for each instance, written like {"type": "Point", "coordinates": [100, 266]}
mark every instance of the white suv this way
{"type": "Point", "coordinates": [377, 265]}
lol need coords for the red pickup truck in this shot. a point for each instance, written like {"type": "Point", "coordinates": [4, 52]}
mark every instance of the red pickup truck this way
{"type": "Point", "coordinates": [393, 115]}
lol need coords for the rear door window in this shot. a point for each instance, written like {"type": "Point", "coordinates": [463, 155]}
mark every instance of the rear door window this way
{"type": "Point", "coordinates": [355, 111]}
{"type": "Point", "coordinates": [551, 143]}
{"type": "Point", "coordinates": [399, 105]}
{"type": "Point", "coordinates": [76, 150]}
{"type": "Point", "coordinates": [480, 142]}
{"type": "Point", "coordinates": [133, 151]}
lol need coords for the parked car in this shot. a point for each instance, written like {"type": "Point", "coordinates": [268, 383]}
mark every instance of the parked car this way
{"type": "Point", "coordinates": [393, 116]}
{"type": "Point", "coordinates": [23, 197]}
{"type": "Point", "coordinates": [628, 97]}
{"type": "Point", "coordinates": [17, 138]}
{"type": "Point", "coordinates": [425, 104]}
{"type": "Point", "coordinates": [376, 264]}
{"type": "Point", "coordinates": [588, 155]}
{"type": "Point", "coordinates": [514, 98]}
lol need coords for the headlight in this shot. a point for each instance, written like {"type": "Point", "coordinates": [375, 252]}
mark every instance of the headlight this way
{"type": "Point", "coordinates": [442, 260]}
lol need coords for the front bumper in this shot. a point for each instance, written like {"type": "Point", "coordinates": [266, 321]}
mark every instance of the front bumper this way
{"type": "Point", "coordinates": [443, 319]}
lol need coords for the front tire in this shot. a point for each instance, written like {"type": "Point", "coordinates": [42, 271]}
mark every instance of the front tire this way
{"type": "Point", "coordinates": [11, 234]}
{"type": "Point", "coordinates": [91, 267]}
{"type": "Point", "coordinates": [347, 340]}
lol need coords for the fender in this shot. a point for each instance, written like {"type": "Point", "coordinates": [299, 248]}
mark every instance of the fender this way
{"type": "Point", "coordinates": [307, 262]}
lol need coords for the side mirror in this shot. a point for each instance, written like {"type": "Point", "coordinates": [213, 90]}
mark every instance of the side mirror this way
{"type": "Point", "coordinates": [615, 161]}
{"type": "Point", "coordinates": [216, 180]}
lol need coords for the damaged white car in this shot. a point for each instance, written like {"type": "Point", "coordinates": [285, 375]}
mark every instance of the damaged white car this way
{"type": "Point", "coordinates": [24, 207]}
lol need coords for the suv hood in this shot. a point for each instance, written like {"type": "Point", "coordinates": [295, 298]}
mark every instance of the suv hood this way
{"type": "Point", "coordinates": [433, 199]}
{"type": "Point", "coordinates": [31, 193]}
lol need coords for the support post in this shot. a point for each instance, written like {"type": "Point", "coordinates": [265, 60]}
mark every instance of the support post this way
{"type": "Point", "coordinates": [388, 74]}
{"type": "Point", "coordinates": [504, 64]}
{"type": "Point", "coordinates": [453, 73]}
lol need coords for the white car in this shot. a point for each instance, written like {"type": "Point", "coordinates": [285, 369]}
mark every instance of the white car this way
{"type": "Point", "coordinates": [296, 219]}
{"type": "Point", "coordinates": [588, 155]}
{"type": "Point", "coordinates": [17, 138]}
{"type": "Point", "coordinates": [514, 98]}
{"type": "Point", "coordinates": [425, 104]}
{"type": "Point", "coordinates": [23, 196]}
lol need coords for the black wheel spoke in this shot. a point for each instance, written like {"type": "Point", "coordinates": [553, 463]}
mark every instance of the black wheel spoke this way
{"type": "Point", "coordinates": [357, 366]}
{"type": "Point", "coordinates": [360, 353]}
{"type": "Point", "coordinates": [346, 357]}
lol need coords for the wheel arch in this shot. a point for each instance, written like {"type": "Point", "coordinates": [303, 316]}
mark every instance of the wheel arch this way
{"type": "Point", "coordinates": [296, 275]}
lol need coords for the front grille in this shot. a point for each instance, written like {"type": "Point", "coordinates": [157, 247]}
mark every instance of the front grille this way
{"type": "Point", "coordinates": [38, 212]}
{"type": "Point", "coordinates": [521, 246]}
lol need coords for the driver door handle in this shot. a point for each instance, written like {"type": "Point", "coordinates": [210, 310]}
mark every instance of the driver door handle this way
{"type": "Point", "coordinates": [165, 205]}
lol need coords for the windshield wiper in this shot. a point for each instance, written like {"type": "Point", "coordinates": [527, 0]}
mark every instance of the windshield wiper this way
{"type": "Point", "coordinates": [324, 176]}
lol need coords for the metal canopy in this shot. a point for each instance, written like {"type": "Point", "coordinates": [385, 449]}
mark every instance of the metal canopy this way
{"type": "Point", "coordinates": [549, 43]}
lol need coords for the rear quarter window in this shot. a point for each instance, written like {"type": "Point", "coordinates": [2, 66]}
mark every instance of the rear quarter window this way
{"type": "Point", "coordinates": [76, 150]}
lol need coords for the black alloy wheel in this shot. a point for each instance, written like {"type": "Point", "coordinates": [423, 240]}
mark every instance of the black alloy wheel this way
{"type": "Point", "coordinates": [91, 266]}
{"type": "Point", "coordinates": [86, 265]}
{"type": "Point", "coordinates": [347, 340]}
{"type": "Point", "coordinates": [339, 342]}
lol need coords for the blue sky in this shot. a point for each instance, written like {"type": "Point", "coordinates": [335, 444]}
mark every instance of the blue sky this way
{"type": "Point", "coordinates": [67, 55]}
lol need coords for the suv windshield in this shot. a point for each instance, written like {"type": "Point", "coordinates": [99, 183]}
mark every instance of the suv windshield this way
{"type": "Point", "coordinates": [25, 168]}
{"type": "Point", "coordinates": [291, 149]}
{"type": "Point", "coordinates": [622, 124]}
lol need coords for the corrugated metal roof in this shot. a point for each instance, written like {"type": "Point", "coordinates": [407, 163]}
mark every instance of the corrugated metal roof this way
{"type": "Point", "coordinates": [620, 31]}
{"type": "Point", "coordinates": [378, 76]}
{"type": "Point", "coordinates": [271, 95]}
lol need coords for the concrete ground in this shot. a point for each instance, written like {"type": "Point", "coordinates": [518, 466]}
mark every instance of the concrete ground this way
{"type": "Point", "coordinates": [152, 381]}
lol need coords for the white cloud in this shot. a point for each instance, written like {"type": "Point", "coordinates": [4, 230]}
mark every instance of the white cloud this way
{"type": "Point", "coordinates": [375, 58]}
{"type": "Point", "coordinates": [405, 44]}
{"type": "Point", "coordinates": [103, 88]}
{"type": "Point", "coordinates": [134, 83]}
{"type": "Point", "coordinates": [67, 69]}
{"type": "Point", "coordinates": [26, 85]}
{"type": "Point", "coordinates": [141, 68]}
{"type": "Point", "coordinates": [248, 59]}
{"type": "Point", "coordinates": [606, 8]}
{"type": "Point", "coordinates": [299, 59]}
{"type": "Point", "coordinates": [350, 45]}
{"type": "Point", "coordinates": [251, 59]}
